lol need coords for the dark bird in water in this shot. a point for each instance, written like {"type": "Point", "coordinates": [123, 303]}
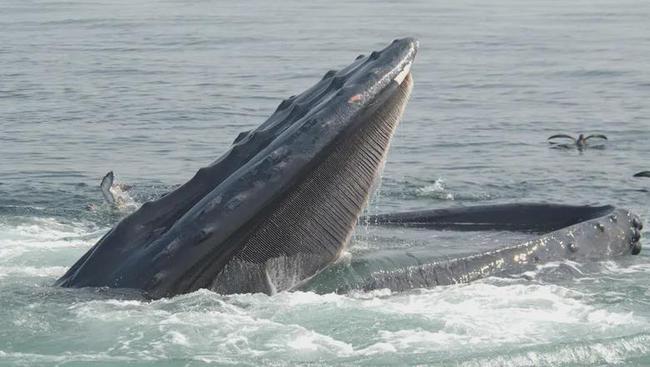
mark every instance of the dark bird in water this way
{"type": "Point", "coordinates": [642, 174]}
{"type": "Point", "coordinates": [580, 142]}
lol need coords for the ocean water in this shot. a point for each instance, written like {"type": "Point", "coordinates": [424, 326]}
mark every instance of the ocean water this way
{"type": "Point", "coordinates": [156, 89]}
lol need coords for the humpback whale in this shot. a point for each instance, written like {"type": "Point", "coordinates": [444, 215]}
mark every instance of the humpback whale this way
{"type": "Point", "coordinates": [278, 206]}
{"type": "Point", "coordinates": [277, 210]}
{"type": "Point", "coordinates": [578, 233]}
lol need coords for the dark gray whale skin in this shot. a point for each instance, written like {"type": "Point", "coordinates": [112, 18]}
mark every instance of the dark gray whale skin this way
{"type": "Point", "coordinates": [578, 233]}
{"type": "Point", "coordinates": [278, 206]}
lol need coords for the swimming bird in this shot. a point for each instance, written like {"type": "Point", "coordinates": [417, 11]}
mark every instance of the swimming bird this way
{"type": "Point", "coordinates": [580, 142]}
{"type": "Point", "coordinates": [642, 174]}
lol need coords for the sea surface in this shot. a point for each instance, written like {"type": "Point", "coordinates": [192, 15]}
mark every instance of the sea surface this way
{"type": "Point", "coordinates": [154, 90]}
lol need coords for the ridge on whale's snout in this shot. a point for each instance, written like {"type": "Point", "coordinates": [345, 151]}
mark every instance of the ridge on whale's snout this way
{"type": "Point", "coordinates": [278, 206]}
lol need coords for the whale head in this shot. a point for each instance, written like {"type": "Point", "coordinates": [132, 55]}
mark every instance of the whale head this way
{"type": "Point", "coordinates": [279, 206]}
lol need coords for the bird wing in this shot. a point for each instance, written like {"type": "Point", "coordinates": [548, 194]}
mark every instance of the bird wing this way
{"type": "Point", "coordinates": [642, 174]}
{"type": "Point", "coordinates": [106, 184]}
{"type": "Point", "coordinates": [561, 136]}
{"type": "Point", "coordinates": [599, 136]}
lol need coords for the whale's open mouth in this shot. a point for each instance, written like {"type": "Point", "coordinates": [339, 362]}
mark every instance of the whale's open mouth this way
{"type": "Point", "coordinates": [279, 206]}
{"type": "Point", "coordinates": [310, 224]}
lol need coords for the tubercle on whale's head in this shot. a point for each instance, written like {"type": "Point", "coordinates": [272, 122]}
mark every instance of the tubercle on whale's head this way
{"type": "Point", "coordinates": [391, 64]}
{"type": "Point", "coordinates": [343, 93]}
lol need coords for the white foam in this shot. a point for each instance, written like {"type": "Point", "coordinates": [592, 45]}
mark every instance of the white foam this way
{"type": "Point", "coordinates": [486, 315]}
{"type": "Point", "coordinates": [32, 236]}
{"type": "Point", "coordinates": [123, 200]}
{"type": "Point", "coordinates": [608, 352]}
{"type": "Point", "coordinates": [32, 271]}
{"type": "Point", "coordinates": [178, 338]}
{"type": "Point", "coordinates": [614, 268]}
{"type": "Point", "coordinates": [377, 348]}
{"type": "Point", "coordinates": [65, 358]}
{"type": "Point", "coordinates": [307, 327]}
{"type": "Point", "coordinates": [437, 190]}
{"type": "Point", "coordinates": [303, 340]}
{"type": "Point", "coordinates": [502, 314]}
{"type": "Point", "coordinates": [549, 266]}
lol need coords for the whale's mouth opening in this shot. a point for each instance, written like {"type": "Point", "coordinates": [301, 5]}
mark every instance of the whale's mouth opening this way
{"type": "Point", "coordinates": [309, 225]}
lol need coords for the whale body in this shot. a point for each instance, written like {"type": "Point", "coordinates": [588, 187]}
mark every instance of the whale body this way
{"type": "Point", "coordinates": [277, 210]}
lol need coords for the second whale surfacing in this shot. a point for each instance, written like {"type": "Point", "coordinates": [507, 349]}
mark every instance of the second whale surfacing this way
{"type": "Point", "coordinates": [275, 209]}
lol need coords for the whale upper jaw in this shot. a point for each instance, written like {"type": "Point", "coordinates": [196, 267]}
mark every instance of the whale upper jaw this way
{"type": "Point", "coordinates": [278, 206]}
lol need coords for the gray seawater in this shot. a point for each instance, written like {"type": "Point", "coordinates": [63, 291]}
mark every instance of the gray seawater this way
{"type": "Point", "coordinates": [156, 89]}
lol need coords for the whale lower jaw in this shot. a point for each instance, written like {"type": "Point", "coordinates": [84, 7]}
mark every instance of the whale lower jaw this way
{"type": "Point", "coordinates": [575, 233]}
